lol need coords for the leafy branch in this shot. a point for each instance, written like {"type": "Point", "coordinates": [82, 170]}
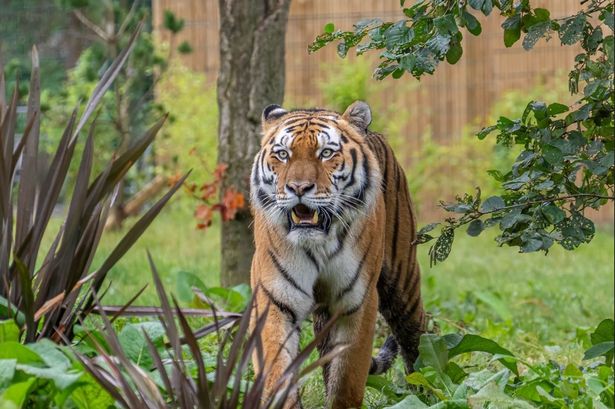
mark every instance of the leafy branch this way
{"type": "Point", "coordinates": [565, 164]}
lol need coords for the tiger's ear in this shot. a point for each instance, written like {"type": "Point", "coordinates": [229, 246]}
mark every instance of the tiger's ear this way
{"type": "Point", "coordinates": [270, 114]}
{"type": "Point", "coordinates": [358, 114]}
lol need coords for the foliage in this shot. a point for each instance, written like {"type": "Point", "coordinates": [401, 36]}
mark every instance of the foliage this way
{"type": "Point", "coordinates": [212, 199]}
{"type": "Point", "coordinates": [566, 161]}
{"type": "Point", "coordinates": [125, 112]}
{"type": "Point", "coordinates": [44, 374]}
{"type": "Point", "coordinates": [43, 293]}
{"type": "Point", "coordinates": [441, 382]}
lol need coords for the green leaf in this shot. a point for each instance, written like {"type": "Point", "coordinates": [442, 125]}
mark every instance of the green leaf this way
{"type": "Point", "coordinates": [535, 33]}
{"type": "Point", "coordinates": [604, 332]}
{"type": "Point", "coordinates": [17, 393]}
{"type": "Point", "coordinates": [482, 5]}
{"type": "Point", "coordinates": [472, 23]}
{"type": "Point", "coordinates": [571, 31]}
{"type": "Point", "coordinates": [475, 227]}
{"type": "Point", "coordinates": [492, 204]}
{"type": "Point", "coordinates": [495, 397]}
{"type": "Point", "coordinates": [329, 28]}
{"type": "Point", "coordinates": [433, 352]}
{"type": "Point", "coordinates": [553, 213]}
{"type": "Point", "coordinates": [552, 154]}
{"type": "Point", "coordinates": [185, 281]}
{"type": "Point", "coordinates": [8, 331]}
{"type": "Point", "coordinates": [512, 30]}
{"type": "Point", "coordinates": [603, 348]}
{"type": "Point", "coordinates": [454, 53]}
{"type": "Point", "coordinates": [50, 353]}
{"type": "Point", "coordinates": [458, 344]}
{"type": "Point", "coordinates": [61, 377]}
{"type": "Point", "coordinates": [7, 372]}
{"type": "Point", "coordinates": [23, 355]}
{"type": "Point", "coordinates": [134, 344]}
{"type": "Point", "coordinates": [556, 108]}
{"type": "Point", "coordinates": [409, 402]}
{"type": "Point", "coordinates": [446, 24]}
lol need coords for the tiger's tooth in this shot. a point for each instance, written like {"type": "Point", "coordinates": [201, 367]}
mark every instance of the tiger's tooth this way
{"type": "Point", "coordinates": [295, 218]}
{"type": "Point", "coordinates": [315, 217]}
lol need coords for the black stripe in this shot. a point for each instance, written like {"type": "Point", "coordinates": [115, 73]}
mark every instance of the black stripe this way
{"type": "Point", "coordinates": [355, 278]}
{"type": "Point", "coordinates": [290, 122]}
{"type": "Point", "coordinates": [263, 198]}
{"type": "Point", "coordinates": [341, 239]}
{"type": "Point", "coordinates": [285, 273]}
{"type": "Point", "coordinates": [353, 154]}
{"type": "Point", "coordinates": [344, 138]}
{"type": "Point", "coordinates": [256, 175]}
{"type": "Point", "coordinates": [284, 308]}
{"type": "Point", "coordinates": [353, 309]}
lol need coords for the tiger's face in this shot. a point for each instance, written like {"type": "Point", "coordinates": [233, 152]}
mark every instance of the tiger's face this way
{"type": "Point", "coordinates": [314, 172]}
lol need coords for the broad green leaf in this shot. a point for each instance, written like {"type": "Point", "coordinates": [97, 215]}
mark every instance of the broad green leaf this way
{"type": "Point", "coordinates": [603, 348]}
{"type": "Point", "coordinates": [134, 344]}
{"type": "Point", "coordinates": [7, 372]}
{"type": "Point", "coordinates": [185, 281]}
{"type": "Point", "coordinates": [454, 53]}
{"type": "Point", "coordinates": [17, 351]}
{"type": "Point", "coordinates": [556, 108]}
{"type": "Point", "coordinates": [475, 227]}
{"type": "Point", "coordinates": [329, 28]}
{"type": "Point", "coordinates": [409, 402]}
{"type": "Point", "coordinates": [474, 343]}
{"type": "Point", "coordinates": [553, 213]}
{"type": "Point", "coordinates": [512, 30]}
{"type": "Point", "coordinates": [50, 353]}
{"type": "Point", "coordinates": [91, 395]}
{"type": "Point", "coordinates": [61, 377]}
{"type": "Point", "coordinates": [446, 24]}
{"type": "Point", "coordinates": [492, 204]}
{"type": "Point", "coordinates": [8, 331]}
{"type": "Point", "coordinates": [418, 379]}
{"type": "Point", "coordinates": [16, 394]}
{"type": "Point", "coordinates": [571, 31]}
{"type": "Point", "coordinates": [382, 385]}
{"type": "Point", "coordinates": [604, 332]}
{"type": "Point", "coordinates": [535, 33]}
{"type": "Point", "coordinates": [472, 24]}
{"type": "Point", "coordinates": [433, 352]}
{"type": "Point", "coordinates": [494, 397]}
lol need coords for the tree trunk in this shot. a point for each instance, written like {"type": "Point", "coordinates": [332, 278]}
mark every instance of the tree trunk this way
{"type": "Point", "coordinates": [251, 77]}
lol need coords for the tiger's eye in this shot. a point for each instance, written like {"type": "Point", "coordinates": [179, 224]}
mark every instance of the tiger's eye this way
{"type": "Point", "coordinates": [282, 155]}
{"type": "Point", "coordinates": [326, 153]}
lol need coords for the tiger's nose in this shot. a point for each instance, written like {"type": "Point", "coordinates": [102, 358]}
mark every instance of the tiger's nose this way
{"type": "Point", "coordinates": [299, 188]}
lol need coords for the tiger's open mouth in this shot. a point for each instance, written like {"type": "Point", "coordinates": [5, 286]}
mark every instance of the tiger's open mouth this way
{"type": "Point", "coordinates": [303, 217]}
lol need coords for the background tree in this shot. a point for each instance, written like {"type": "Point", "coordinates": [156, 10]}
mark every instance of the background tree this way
{"type": "Point", "coordinates": [251, 77]}
{"type": "Point", "coordinates": [131, 106]}
{"type": "Point", "coordinates": [565, 160]}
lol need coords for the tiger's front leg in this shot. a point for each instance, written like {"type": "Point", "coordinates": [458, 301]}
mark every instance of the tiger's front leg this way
{"type": "Point", "coordinates": [285, 311]}
{"type": "Point", "coordinates": [346, 374]}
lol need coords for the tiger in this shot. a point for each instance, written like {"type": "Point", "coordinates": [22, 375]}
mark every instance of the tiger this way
{"type": "Point", "coordinates": [334, 229]}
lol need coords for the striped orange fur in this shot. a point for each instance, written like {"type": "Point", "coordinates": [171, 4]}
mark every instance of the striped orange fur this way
{"type": "Point", "coordinates": [333, 227]}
